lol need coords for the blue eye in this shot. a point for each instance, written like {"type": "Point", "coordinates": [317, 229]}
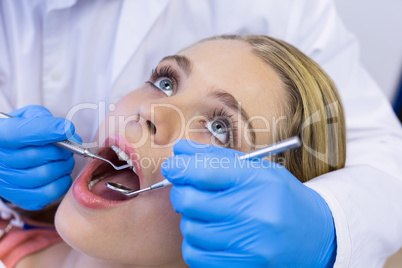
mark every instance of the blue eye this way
{"type": "Point", "coordinates": [166, 85]}
{"type": "Point", "coordinates": [219, 129]}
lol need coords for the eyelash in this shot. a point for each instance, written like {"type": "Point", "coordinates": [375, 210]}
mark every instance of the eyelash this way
{"type": "Point", "coordinates": [217, 114]}
{"type": "Point", "coordinates": [221, 114]}
{"type": "Point", "coordinates": [164, 71]}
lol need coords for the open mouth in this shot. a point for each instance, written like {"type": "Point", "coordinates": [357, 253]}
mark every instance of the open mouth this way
{"type": "Point", "coordinates": [106, 173]}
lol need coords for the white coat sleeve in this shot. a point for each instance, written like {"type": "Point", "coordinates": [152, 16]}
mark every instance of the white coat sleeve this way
{"type": "Point", "coordinates": [366, 196]}
{"type": "Point", "coordinates": [6, 213]}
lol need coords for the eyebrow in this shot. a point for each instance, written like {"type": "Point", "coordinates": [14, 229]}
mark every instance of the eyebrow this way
{"type": "Point", "coordinates": [231, 102]}
{"type": "Point", "coordinates": [221, 95]}
{"type": "Point", "coordinates": [183, 62]}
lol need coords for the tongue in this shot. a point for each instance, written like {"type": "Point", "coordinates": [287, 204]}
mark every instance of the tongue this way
{"type": "Point", "coordinates": [125, 177]}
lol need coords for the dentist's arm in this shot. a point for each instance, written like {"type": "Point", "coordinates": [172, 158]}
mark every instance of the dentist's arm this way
{"type": "Point", "coordinates": [364, 197]}
{"type": "Point", "coordinates": [33, 172]}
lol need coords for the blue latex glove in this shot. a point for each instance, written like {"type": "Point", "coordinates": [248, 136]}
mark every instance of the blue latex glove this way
{"type": "Point", "coordinates": [249, 213]}
{"type": "Point", "coordinates": [33, 172]}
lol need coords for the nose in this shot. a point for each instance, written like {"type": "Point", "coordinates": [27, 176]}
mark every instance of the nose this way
{"type": "Point", "coordinates": [165, 121]}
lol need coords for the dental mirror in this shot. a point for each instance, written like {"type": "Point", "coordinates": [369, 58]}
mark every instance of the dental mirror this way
{"type": "Point", "coordinates": [119, 187]}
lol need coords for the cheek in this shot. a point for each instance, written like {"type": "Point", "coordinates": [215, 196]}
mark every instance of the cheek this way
{"type": "Point", "coordinates": [196, 131]}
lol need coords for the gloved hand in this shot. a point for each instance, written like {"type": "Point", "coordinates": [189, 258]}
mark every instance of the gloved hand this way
{"type": "Point", "coordinates": [33, 172]}
{"type": "Point", "coordinates": [246, 213]}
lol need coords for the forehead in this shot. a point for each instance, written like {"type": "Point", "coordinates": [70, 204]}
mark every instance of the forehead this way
{"type": "Point", "coordinates": [232, 66]}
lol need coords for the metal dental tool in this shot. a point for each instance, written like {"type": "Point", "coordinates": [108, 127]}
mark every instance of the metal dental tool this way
{"type": "Point", "coordinates": [77, 148]}
{"type": "Point", "coordinates": [276, 148]}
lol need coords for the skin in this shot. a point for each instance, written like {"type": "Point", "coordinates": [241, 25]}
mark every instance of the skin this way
{"type": "Point", "coordinates": [145, 231]}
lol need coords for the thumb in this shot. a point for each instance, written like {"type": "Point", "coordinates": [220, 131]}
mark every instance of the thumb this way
{"type": "Point", "coordinates": [31, 111]}
{"type": "Point", "coordinates": [189, 147]}
{"type": "Point", "coordinates": [20, 132]}
{"type": "Point", "coordinates": [208, 168]}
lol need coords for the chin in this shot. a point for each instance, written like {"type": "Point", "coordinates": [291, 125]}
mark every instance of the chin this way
{"type": "Point", "coordinates": [112, 237]}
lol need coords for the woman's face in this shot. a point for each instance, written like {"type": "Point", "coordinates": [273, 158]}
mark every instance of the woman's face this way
{"type": "Point", "coordinates": [205, 94]}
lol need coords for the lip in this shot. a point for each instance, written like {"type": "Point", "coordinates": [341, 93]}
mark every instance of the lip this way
{"type": "Point", "coordinates": [80, 189]}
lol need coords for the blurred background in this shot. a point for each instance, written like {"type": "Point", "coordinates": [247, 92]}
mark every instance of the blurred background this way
{"type": "Point", "coordinates": [378, 26]}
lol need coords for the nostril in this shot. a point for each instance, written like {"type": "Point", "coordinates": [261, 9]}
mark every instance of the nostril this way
{"type": "Point", "coordinates": [151, 127]}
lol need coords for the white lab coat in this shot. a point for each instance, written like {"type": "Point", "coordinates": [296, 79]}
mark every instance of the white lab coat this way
{"type": "Point", "coordinates": [93, 51]}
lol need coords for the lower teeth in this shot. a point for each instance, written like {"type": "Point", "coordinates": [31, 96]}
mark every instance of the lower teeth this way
{"type": "Point", "coordinates": [95, 181]}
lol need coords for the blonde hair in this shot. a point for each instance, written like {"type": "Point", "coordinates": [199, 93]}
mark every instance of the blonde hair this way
{"type": "Point", "coordinates": [314, 109]}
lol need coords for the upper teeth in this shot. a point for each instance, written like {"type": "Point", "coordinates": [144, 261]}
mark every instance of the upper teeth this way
{"type": "Point", "coordinates": [123, 156]}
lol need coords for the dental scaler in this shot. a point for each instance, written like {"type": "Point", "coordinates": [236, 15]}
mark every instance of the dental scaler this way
{"type": "Point", "coordinates": [273, 149]}
{"type": "Point", "coordinates": [76, 148]}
